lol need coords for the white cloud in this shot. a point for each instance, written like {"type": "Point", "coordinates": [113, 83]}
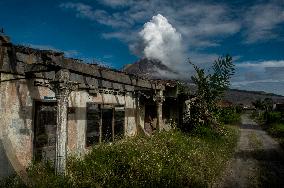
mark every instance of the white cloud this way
{"type": "Point", "coordinates": [262, 64]}
{"type": "Point", "coordinates": [71, 53]}
{"type": "Point", "coordinates": [261, 20]}
{"type": "Point", "coordinates": [83, 10]}
{"type": "Point", "coordinates": [263, 75]}
{"type": "Point", "coordinates": [100, 16]}
{"type": "Point", "coordinates": [197, 22]}
{"type": "Point", "coordinates": [201, 24]}
{"type": "Point", "coordinates": [127, 36]}
{"type": "Point", "coordinates": [116, 3]}
{"type": "Point", "coordinates": [68, 53]}
{"type": "Point", "coordinates": [241, 83]}
{"type": "Point", "coordinates": [162, 41]}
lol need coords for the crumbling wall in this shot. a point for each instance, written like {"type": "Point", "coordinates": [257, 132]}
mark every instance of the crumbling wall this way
{"type": "Point", "coordinates": [25, 76]}
{"type": "Point", "coordinates": [16, 106]}
{"type": "Point", "coordinates": [16, 122]}
{"type": "Point", "coordinates": [77, 120]}
{"type": "Point", "coordinates": [6, 167]}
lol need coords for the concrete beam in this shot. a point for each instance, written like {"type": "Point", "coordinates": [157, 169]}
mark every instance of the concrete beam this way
{"type": "Point", "coordinates": [21, 60]}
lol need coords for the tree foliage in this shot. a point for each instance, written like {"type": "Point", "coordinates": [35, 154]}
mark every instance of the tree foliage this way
{"type": "Point", "coordinates": [211, 87]}
{"type": "Point", "coordinates": [265, 105]}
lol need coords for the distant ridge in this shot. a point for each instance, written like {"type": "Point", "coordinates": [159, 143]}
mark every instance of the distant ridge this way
{"type": "Point", "coordinates": [258, 92]}
{"type": "Point", "coordinates": [237, 96]}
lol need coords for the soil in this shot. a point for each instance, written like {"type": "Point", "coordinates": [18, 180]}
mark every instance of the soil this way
{"type": "Point", "coordinates": [258, 160]}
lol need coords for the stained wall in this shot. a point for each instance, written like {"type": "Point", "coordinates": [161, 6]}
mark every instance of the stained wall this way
{"type": "Point", "coordinates": [17, 97]}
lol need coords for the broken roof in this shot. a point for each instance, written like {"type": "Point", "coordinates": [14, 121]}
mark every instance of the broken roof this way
{"type": "Point", "coordinates": [24, 60]}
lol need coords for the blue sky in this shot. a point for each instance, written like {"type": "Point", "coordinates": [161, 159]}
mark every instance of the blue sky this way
{"type": "Point", "coordinates": [110, 31]}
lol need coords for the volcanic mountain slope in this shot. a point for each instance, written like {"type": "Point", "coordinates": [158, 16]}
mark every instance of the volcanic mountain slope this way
{"type": "Point", "coordinates": [150, 68]}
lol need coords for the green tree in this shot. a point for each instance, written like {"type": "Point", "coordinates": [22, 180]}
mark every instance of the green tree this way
{"type": "Point", "coordinates": [268, 104]}
{"type": "Point", "coordinates": [265, 105]}
{"type": "Point", "coordinates": [258, 104]}
{"type": "Point", "coordinates": [211, 87]}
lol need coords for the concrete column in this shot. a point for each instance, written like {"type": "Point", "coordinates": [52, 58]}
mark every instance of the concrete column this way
{"type": "Point", "coordinates": [61, 134]}
{"type": "Point", "coordinates": [159, 99]}
{"type": "Point", "coordinates": [62, 88]}
{"type": "Point", "coordinates": [137, 99]}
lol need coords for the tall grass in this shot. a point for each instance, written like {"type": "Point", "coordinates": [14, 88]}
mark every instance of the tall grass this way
{"type": "Point", "coordinates": [276, 130]}
{"type": "Point", "coordinates": [273, 123]}
{"type": "Point", "coordinates": [167, 159]}
{"type": "Point", "coordinates": [229, 115]}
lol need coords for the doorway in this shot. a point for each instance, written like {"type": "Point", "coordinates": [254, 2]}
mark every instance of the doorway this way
{"type": "Point", "coordinates": [107, 119]}
{"type": "Point", "coordinates": [45, 131]}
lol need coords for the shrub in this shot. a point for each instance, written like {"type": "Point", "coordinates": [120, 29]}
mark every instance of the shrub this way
{"type": "Point", "coordinates": [273, 117]}
{"type": "Point", "coordinates": [12, 181]}
{"type": "Point", "coordinates": [229, 115]}
{"type": "Point", "coordinates": [211, 86]}
{"type": "Point", "coordinates": [41, 175]}
{"type": "Point", "coordinates": [277, 131]}
{"type": "Point", "coordinates": [167, 159]}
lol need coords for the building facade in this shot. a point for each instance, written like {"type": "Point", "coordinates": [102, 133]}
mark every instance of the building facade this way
{"type": "Point", "coordinates": [52, 106]}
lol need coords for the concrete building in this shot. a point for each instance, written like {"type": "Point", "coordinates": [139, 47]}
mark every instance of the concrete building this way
{"type": "Point", "coordinates": [52, 106]}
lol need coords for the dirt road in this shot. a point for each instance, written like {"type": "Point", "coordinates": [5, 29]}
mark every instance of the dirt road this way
{"type": "Point", "coordinates": [258, 161]}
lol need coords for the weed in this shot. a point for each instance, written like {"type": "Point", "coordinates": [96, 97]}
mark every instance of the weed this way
{"type": "Point", "coordinates": [167, 159]}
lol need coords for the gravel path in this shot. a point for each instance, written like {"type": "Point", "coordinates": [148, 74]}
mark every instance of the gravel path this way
{"type": "Point", "coordinates": [258, 161]}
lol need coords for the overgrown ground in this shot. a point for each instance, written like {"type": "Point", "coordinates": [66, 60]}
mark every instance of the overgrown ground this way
{"type": "Point", "coordinates": [258, 161]}
{"type": "Point", "coordinates": [276, 130]}
{"type": "Point", "coordinates": [167, 159]}
{"type": "Point", "coordinates": [273, 124]}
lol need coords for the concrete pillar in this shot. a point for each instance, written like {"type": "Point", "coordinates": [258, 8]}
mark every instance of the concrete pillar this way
{"type": "Point", "coordinates": [61, 134]}
{"type": "Point", "coordinates": [137, 99]}
{"type": "Point", "coordinates": [62, 88]}
{"type": "Point", "coordinates": [159, 99]}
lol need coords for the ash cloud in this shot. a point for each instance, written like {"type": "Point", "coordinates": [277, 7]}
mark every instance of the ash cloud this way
{"type": "Point", "coordinates": [163, 42]}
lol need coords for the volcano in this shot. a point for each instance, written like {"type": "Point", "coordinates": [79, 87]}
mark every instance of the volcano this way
{"type": "Point", "coordinates": [150, 68]}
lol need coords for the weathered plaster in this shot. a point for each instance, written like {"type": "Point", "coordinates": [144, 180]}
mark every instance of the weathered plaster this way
{"type": "Point", "coordinates": [29, 75]}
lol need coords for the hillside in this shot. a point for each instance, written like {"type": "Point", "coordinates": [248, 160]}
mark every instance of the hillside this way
{"type": "Point", "coordinates": [246, 97]}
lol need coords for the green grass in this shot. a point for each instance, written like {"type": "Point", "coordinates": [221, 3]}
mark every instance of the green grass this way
{"type": "Point", "coordinates": [274, 124]}
{"type": "Point", "coordinates": [229, 115]}
{"type": "Point", "coordinates": [276, 130]}
{"type": "Point", "coordinates": [167, 159]}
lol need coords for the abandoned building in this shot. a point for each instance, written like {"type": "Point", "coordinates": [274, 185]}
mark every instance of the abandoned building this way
{"type": "Point", "coordinates": [52, 106]}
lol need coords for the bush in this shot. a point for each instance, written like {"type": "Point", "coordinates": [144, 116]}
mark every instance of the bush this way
{"type": "Point", "coordinates": [277, 131]}
{"type": "Point", "coordinates": [229, 115]}
{"type": "Point", "coordinates": [273, 117]}
{"type": "Point", "coordinates": [167, 159]}
{"type": "Point", "coordinates": [12, 181]}
{"type": "Point", "coordinates": [41, 174]}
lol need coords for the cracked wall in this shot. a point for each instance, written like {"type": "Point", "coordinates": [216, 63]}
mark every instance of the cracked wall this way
{"type": "Point", "coordinates": [16, 106]}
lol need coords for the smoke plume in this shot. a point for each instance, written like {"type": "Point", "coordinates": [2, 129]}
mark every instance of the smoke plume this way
{"type": "Point", "coordinates": [163, 42]}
